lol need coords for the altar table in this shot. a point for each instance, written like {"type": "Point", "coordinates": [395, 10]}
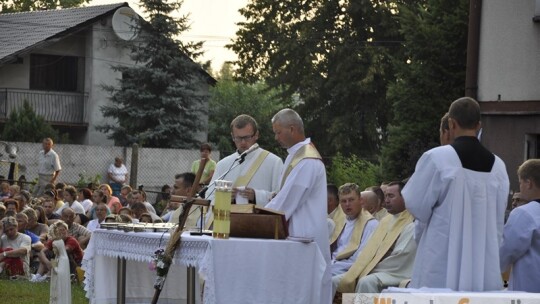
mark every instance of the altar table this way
{"type": "Point", "coordinates": [235, 270]}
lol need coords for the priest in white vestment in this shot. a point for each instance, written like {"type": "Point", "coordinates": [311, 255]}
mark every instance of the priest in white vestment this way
{"type": "Point", "coordinates": [459, 193]}
{"type": "Point", "coordinates": [255, 176]}
{"type": "Point", "coordinates": [520, 248]}
{"type": "Point", "coordinates": [387, 258]}
{"type": "Point", "coordinates": [302, 196]}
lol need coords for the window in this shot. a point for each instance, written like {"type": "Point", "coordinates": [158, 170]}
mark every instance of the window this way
{"type": "Point", "coordinates": [54, 73]}
{"type": "Point", "coordinates": [532, 146]}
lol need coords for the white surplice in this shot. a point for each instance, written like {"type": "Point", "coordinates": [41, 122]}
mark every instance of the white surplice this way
{"type": "Point", "coordinates": [461, 213]}
{"type": "Point", "coordinates": [303, 200]}
{"type": "Point", "coordinates": [265, 181]}
{"type": "Point", "coordinates": [521, 248]}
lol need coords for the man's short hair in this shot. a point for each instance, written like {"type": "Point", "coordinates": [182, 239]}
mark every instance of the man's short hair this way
{"type": "Point", "coordinates": [188, 178]}
{"type": "Point", "coordinates": [530, 169]}
{"type": "Point", "coordinates": [444, 122]}
{"type": "Point", "coordinates": [348, 188]}
{"type": "Point", "coordinates": [11, 201]}
{"type": "Point", "coordinates": [400, 185]}
{"type": "Point", "coordinates": [466, 112]}
{"type": "Point", "coordinates": [378, 191]}
{"type": "Point", "coordinates": [289, 117]}
{"type": "Point", "coordinates": [241, 121]}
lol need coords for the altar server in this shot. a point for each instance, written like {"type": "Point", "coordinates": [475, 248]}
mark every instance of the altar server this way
{"type": "Point", "coordinates": [458, 193]}
{"type": "Point", "coordinates": [521, 239]}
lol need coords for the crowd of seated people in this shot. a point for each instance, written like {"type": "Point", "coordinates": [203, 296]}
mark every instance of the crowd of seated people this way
{"type": "Point", "coordinates": [25, 243]}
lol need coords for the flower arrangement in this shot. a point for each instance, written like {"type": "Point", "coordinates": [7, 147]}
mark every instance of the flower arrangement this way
{"type": "Point", "coordinates": [161, 263]}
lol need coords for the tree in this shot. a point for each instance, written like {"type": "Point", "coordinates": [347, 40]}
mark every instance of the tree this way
{"type": "Point", "coordinates": [24, 125]}
{"type": "Point", "coordinates": [160, 101]}
{"type": "Point", "coordinates": [352, 170]}
{"type": "Point", "coordinates": [231, 98]}
{"type": "Point", "coordinates": [333, 54]}
{"type": "Point", "coordinates": [11, 6]}
{"type": "Point", "coordinates": [430, 77]}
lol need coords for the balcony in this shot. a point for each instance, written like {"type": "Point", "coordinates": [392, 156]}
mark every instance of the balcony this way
{"type": "Point", "coordinates": [57, 108]}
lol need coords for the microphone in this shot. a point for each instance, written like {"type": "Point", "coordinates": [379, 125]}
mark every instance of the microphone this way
{"type": "Point", "coordinates": [242, 156]}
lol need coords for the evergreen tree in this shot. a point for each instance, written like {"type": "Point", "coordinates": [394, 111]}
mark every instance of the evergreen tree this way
{"type": "Point", "coordinates": [430, 77]}
{"type": "Point", "coordinates": [161, 100]}
{"type": "Point", "coordinates": [24, 125]}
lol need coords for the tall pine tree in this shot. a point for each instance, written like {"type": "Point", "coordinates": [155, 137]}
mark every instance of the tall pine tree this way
{"type": "Point", "coordinates": [161, 100]}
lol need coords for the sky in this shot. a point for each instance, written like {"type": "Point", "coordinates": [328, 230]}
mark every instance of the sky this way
{"type": "Point", "coordinates": [212, 21]}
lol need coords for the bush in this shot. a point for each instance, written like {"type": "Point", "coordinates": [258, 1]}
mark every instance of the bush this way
{"type": "Point", "coordinates": [24, 125]}
{"type": "Point", "coordinates": [352, 169]}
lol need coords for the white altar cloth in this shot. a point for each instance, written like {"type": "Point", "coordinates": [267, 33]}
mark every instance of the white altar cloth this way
{"type": "Point", "coordinates": [235, 270]}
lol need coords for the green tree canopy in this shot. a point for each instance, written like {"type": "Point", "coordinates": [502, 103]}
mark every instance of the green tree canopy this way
{"type": "Point", "coordinates": [428, 79]}
{"type": "Point", "coordinates": [333, 54]}
{"type": "Point", "coordinates": [160, 101]}
{"type": "Point", "coordinates": [231, 98]}
{"type": "Point", "coordinates": [11, 6]}
{"type": "Point", "coordinates": [24, 125]}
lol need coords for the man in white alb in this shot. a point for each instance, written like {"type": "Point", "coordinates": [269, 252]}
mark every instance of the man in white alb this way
{"type": "Point", "coordinates": [302, 196]}
{"type": "Point", "coordinates": [256, 179]}
{"type": "Point", "coordinates": [353, 233]}
{"type": "Point", "coordinates": [458, 193]}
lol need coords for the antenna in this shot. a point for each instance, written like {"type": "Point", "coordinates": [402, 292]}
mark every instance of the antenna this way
{"type": "Point", "coordinates": [125, 23]}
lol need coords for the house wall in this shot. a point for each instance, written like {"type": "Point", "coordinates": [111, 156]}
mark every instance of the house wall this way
{"type": "Point", "coordinates": [508, 80]}
{"type": "Point", "coordinates": [16, 75]}
{"type": "Point", "coordinates": [509, 61]}
{"type": "Point", "coordinates": [103, 51]}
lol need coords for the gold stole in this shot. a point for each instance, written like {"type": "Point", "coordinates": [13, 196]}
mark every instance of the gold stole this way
{"type": "Point", "coordinates": [356, 236]}
{"type": "Point", "coordinates": [376, 249]}
{"type": "Point", "coordinates": [243, 180]}
{"type": "Point", "coordinates": [339, 219]}
{"type": "Point", "coordinates": [306, 151]}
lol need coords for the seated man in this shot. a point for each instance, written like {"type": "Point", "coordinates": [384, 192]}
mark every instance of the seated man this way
{"type": "Point", "coordinates": [101, 212]}
{"type": "Point", "coordinates": [182, 187]}
{"type": "Point", "coordinates": [354, 232]}
{"type": "Point", "coordinates": [387, 259]}
{"type": "Point", "coordinates": [374, 202]}
{"type": "Point", "coordinates": [36, 244]}
{"type": "Point", "coordinates": [79, 232]}
{"type": "Point", "coordinates": [139, 209]}
{"type": "Point", "coordinates": [48, 206]}
{"type": "Point", "coordinates": [139, 196]}
{"type": "Point", "coordinates": [520, 247]}
{"type": "Point", "coordinates": [14, 249]}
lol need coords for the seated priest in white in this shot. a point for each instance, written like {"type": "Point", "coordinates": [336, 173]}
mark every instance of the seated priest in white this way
{"type": "Point", "coordinates": [354, 232]}
{"type": "Point", "coordinates": [388, 257]}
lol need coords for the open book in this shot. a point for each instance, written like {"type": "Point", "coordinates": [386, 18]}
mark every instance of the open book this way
{"type": "Point", "coordinates": [253, 221]}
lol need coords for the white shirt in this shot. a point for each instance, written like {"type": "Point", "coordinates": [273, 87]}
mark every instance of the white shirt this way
{"type": "Point", "coordinates": [461, 213]}
{"type": "Point", "coordinates": [48, 163]}
{"type": "Point", "coordinates": [93, 225]}
{"type": "Point", "coordinates": [118, 173]}
{"type": "Point", "coordinates": [76, 206]}
{"type": "Point", "coordinates": [521, 248]}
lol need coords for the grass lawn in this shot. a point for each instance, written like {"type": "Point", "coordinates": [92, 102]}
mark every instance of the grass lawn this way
{"type": "Point", "coordinates": [25, 292]}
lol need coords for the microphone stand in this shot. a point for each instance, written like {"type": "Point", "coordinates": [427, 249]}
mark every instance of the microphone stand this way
{"type": "Point", "coordinates": [240, 160]}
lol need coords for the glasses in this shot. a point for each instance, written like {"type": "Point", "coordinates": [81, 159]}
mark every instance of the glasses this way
{"type": "Point", "coordinates": [242, 138]}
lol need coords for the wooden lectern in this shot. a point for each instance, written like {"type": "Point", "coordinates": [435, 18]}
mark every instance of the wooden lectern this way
{"type": "Point", "coordinates": [251, 221]}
